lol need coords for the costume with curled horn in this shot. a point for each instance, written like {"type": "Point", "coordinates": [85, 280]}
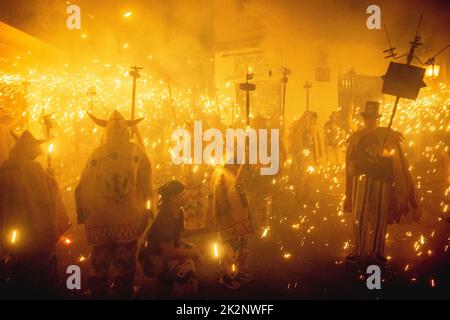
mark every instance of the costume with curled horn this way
{"type": "Point", "coordinates": [32, 213]}
{"type": "Point", "coordinates": [112, 200]}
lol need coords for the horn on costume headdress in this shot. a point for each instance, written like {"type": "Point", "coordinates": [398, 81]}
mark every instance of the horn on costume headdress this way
{"type": "Point", "coordinates": [100, 122]}
{"type": "Point", "coordinates": [14, 136]}
{"type": "Point", "coordinates": [132, 123]}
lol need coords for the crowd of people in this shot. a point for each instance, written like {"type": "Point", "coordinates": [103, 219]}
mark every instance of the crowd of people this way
{"type": "Point", "coordinates": [128, 225]}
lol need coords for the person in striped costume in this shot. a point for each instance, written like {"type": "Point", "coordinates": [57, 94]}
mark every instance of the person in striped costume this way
{"type": "Point", "coordinates": [379, 187]}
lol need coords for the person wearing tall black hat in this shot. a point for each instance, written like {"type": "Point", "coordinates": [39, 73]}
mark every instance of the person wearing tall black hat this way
{"type": "Point", "coordinates": [379, 187]}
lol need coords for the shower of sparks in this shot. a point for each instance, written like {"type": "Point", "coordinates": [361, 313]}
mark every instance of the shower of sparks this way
{"type": "Point", "coordinates": [428, 116]}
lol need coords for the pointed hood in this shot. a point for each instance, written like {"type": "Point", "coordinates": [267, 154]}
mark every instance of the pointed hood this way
{"type": "Point", "coordinates": [26, 147]}
{"type": "Point", "coordinates": [117, 128]}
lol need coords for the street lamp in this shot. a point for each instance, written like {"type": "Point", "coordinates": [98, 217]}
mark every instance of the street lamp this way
{"type": "Point", "coordinates": [432, 71]}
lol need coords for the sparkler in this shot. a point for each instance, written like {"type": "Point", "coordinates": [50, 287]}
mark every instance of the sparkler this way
{"type": "Point", "coordinates": [216, 250]}
{"type": "Point", "coordinates": [14, 236]}
{"type": "Point", "coordinates": [265, 232]}
{"type": "Point", "coordinates": [310, 170]}
{"type": "Point", "coordinates": [432, 283]}
{"type": "Point", "coordinates": [66, 241]}
{"type": "Point", "coordinates": [50, 148]}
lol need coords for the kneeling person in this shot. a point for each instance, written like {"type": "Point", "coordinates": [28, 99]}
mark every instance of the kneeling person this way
{"type": "Point", "coordinates": [164, 254]}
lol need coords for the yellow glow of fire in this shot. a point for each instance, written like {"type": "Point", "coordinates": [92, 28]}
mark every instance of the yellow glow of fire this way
{"type": "Point", "coordinates": [310, 170]}
{"type": "Point", "coordinates": [14, 236]}
{"type": "Point", "coordinates": [432, 71]}
{"type": "Point", "coordinates": [265, 231]}
{"type": "Point", "coordinates": [216, 250]}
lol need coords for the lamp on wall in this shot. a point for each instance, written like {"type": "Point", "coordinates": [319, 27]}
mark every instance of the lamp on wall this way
{"type": "Point", "coordinates": [432, 71]}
